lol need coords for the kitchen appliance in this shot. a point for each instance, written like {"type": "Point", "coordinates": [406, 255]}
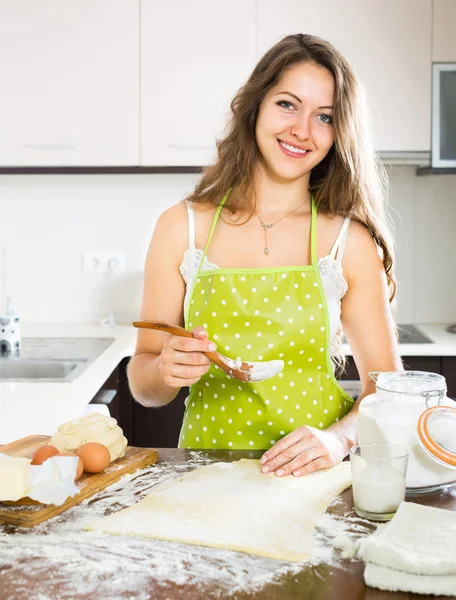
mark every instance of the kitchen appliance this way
{"type": "Point", "coordinates": [410, 334]}
{"type": "Point", "coordinates": [10, 334]}
{"type": "Point", "coordinates": [443, 115]}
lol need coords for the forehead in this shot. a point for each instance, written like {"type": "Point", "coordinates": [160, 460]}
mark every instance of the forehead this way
{"type": "Point", "coordinates": [309, 82]}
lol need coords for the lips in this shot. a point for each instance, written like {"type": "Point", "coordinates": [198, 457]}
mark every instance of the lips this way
{"type": "Point", "coordinates": [292, 150]}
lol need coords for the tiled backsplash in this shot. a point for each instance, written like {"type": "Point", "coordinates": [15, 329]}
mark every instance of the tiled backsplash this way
{"type": "Point", "coordinates": [48, 221]}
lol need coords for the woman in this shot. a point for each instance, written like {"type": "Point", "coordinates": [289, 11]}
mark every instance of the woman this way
{"type": "Point", "coordinates": [283, 241]}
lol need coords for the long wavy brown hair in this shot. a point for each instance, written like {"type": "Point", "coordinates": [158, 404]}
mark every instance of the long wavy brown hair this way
{"type": "Point", "coordinates": [350, 180]}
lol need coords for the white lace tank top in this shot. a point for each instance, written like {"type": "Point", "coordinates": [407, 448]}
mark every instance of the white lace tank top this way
{"type": "Point", "coordinates": [330, 267]}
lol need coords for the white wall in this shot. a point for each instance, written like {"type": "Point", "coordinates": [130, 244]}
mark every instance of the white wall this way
{"type": "Point", "coordinates": [48, 221]}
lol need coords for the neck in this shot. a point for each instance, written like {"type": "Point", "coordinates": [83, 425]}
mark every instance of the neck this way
{"type": "Point", "coordinates": [276, 197]}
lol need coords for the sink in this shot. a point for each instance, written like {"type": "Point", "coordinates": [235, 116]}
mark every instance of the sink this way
{"type": "Point", "coordinates": [42, 370]}
{"type": "Point", "coordinates": [51, 359]}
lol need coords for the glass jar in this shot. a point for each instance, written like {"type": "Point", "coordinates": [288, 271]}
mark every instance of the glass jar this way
{"type": "Point", "coordinates": [392, 416]}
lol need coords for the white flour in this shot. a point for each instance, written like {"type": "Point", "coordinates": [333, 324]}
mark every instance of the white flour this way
{"type": "Point", "coordinates": [92, 564]}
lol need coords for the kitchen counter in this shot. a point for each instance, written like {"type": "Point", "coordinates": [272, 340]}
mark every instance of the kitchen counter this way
{"type": "Point", "coordinates": [57, 559]}
{"type": "Point", "coordinates": [444, 342]}
{"type": "Point", "coordinates": [38, 408]}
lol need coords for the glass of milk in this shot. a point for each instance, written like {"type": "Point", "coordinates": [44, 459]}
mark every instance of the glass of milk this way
{"type": "Point", "coordinates": [378, 479]}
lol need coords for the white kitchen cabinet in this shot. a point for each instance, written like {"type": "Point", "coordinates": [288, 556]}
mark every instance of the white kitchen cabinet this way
{"type": "Point", "coordinates": [194, 57]}
{"type": "Point", "coordinates": [388, 43]}
{"type": "Point", "coordinates": [444, 31]}
{"type": "Point", "coordinates": [69, 73]}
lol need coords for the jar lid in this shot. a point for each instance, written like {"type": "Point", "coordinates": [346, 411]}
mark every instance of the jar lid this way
{"type": "Point", "coordinates": [411, 383]}
{"type": "Point", "coordinates": [437, 434]}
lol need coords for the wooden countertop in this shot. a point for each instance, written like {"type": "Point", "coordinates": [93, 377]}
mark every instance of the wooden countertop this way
{"type": "Point", "coordinates": [59, 560]}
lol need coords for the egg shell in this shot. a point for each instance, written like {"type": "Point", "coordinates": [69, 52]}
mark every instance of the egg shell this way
{"type": "Point", "coordinates": [79, 468]}
{"type": "Point", "coordinates": [95, 457]}
{"type": "Point", "coordinates": [43, 454]}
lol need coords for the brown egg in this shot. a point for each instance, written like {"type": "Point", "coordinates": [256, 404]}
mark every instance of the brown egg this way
{"type": "Point", "coordinates": [95, 457]}
{"type": "Point", "coordinates": [43, 454]}
{"type": "Point", "coordinates": [79, 468]}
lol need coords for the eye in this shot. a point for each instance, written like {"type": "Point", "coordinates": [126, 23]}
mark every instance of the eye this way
{"type": "Point", "coordinates": [326, 119]}
{"type": "Point", "coordinates": [286, 104]}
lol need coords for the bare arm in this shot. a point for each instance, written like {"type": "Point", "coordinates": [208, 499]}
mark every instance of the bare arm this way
{"type": "Point", "coordinates": [368, 324]}
{"type": "Point", "coordinates": [164, 363]}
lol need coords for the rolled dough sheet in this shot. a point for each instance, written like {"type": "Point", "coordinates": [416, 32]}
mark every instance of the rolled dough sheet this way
{"type": "Point", "coordinates": [234, 506]}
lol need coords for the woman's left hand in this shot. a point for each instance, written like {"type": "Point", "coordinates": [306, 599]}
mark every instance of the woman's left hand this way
{"type": "Point", "coordinates": [304, 451]}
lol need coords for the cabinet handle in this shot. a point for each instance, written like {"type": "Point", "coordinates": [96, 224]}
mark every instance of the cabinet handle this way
{"type": "Point", "coordinates": [49, 146]}
{"type": "Point", "coordinates": [190, 147]}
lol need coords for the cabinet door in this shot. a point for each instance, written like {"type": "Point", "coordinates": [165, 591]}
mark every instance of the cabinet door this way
{"type": "Point", "coordinates": [194, 57]}
{"type": "Point", "coordinates": [444, 36]}
{"type": "Point", "coordinates": [449, 372]}
{"type": "Point", "coordinates": [388, 43]}
{"type": "Point", "coordinates": [69, 75]}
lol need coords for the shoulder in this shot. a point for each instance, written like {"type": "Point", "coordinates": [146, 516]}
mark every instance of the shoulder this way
{"type": "Point", "coordinates": [328, 229]}
{"type": "Point", "coordinates": [174, 218]}
{"type": "Point", "coordinates": [170, 235]}
{"type": "Point", "coordinates": [171, 229]}
{"type": "Point", "coordinates": [362, 254]}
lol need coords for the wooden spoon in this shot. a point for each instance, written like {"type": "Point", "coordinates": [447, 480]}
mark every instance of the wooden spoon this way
{"type": "Point", "coordinates": [244, 371]}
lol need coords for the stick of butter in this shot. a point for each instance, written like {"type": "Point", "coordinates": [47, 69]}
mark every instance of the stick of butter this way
{"type": "Point", "coordinates": [14, 477]}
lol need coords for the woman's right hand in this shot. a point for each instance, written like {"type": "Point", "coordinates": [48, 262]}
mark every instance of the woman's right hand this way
{"type": "Point", "coordinates": [182, 362]}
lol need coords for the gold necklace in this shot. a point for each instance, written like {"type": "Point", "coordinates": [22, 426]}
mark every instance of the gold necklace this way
{"type": "Point", "coordinates": [267, 226]}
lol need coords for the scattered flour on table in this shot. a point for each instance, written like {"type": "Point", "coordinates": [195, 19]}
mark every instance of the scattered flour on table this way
{"type": "Point", "coordinates": [85, 563]}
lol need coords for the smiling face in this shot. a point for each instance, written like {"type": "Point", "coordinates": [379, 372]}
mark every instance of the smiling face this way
{"type": "Point", "coordinates": [294, 130]}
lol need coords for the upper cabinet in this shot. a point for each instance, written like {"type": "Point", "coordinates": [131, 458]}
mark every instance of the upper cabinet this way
{"type": "Point", "coordinates": [70, 82]}
{"type": "Point", "coordinates": [444, 34]}
{"type": "Point", "coordinates": [388, 43]}
{"type": "Point", "coordinates": [194, 57]}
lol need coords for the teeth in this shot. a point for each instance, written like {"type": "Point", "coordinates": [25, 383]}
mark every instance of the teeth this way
{"type": "Point", "coordinates": [293, 149]}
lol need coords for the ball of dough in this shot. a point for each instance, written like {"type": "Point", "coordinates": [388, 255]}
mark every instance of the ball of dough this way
{"type": "Point", "coordinates": [93, 427]}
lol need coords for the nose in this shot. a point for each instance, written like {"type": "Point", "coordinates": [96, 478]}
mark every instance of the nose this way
{"type": "Point", "coordinates": [301, 127]}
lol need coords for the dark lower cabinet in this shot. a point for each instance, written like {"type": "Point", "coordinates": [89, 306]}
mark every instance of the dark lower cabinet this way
{"type": "Point", "coordinates": [449, 372]}
{"type": "Point", "coordinates": [444, 365]}
{"type": "Point", "coordinates": [149, 427]}
{"type": "Point", "coordinates": [160, 427]}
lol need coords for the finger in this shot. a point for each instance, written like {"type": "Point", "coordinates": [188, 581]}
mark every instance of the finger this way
{"type": "Point", "coordinates": [190, 344]}
{"type": "Point", "coordinates": [200, 333]}
{"type": "Point", "coordinates": [188, 371]}
{"type": "Point", "coordinates": [298, 464]}
{"type": "Point", "coordinates": [190, 358]}
{"type": "Point", "coordinates": [324, 462]}
{"type": "Point", "coordinates": [287, 442]}
{"type": "Point", "coordinates": [285, 457]}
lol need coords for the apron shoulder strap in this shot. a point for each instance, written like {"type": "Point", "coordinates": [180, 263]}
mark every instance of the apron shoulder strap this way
{"type": "Point", "coordinates": [215, 219]}
{"type": "Point", "coordinates": [313, 233]}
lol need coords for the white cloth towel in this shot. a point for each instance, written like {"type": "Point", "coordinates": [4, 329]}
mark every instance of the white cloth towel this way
{"type": "Point", "coordinates": [400, 581]}
{"type": "Point", "coordinates": [415, 552]}
{"type": "Point", "coordinates": [419, 539]}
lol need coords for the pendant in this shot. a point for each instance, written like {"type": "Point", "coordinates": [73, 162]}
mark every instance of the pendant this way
{"type": "Point", "coordinates": [266, 250]}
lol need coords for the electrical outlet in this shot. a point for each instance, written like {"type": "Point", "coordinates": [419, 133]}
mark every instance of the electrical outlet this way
{"type": "Point", "coordinates": [104, 262]}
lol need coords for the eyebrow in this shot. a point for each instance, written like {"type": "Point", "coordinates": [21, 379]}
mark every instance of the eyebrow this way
{"type": "Point", "coordinates": [299, 99]}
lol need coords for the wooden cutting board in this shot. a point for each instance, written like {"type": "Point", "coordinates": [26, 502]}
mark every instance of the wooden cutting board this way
{"type": "Point", "coordinates": [28, 513]}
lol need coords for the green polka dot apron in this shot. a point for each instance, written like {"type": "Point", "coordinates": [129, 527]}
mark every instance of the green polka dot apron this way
{"type": "Point", "coordinates": [256, 315]}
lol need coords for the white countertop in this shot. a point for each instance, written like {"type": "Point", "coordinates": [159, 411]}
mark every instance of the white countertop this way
{"type": "Point", "coordinates": [38, 408]}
